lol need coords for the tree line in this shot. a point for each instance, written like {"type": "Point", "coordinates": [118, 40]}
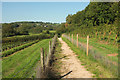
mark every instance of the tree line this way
{"type": "Point", "coordinates": [96, 17]}
{"type": "Point", "coordinates": [25, 28]}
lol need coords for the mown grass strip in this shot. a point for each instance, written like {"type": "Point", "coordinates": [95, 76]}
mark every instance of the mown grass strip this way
{"type": "Point", "coordinates": [20, 65]}
{"type": "Point", "coordinates": [13, 50]}
{"type": "Point", "coordinates": [91, 64]}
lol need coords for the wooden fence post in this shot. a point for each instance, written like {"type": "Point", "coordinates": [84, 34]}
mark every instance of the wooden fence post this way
{"type": "Point", "coordinates": [96, 34]}
{"type": "Point", "coordinates": [69, 36]}
{"type": "Point", "coordinates": [100, 36]}
{"type": "Point", "coordinates": [72, 38]}
{"type": "Point", "coordinates": [104, 35]}
{"type": "Point", "coordinates": [43, 72]}
{"type": "Point", "coordinates": [115, 39]}
{"type": "Point", "coordinates": [109, 36]}
{"type": "Point", "coordinates": [87, 44]}
{"type": "Point", "coordinates": [45, 53]}
{"type": "Point", "coordinates": [77, 40]}
{"type": "Point", "coordinates": [42, 59]}
{"type": "Point", "coordinates": [49, 47]}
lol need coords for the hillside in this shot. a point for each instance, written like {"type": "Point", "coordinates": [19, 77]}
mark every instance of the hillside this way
{"type": "Point", "coordinates": [25, 28]}
{"type": "Point", "coordinates": [85, 46]}
{"type": "Point", "coordinates": [96, 17]}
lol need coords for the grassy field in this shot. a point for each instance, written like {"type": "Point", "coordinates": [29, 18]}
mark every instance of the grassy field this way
{"type": "Point", "coordinates": [15, 49]}
{"type": "Point", "coordinates": [91, 64]}
{"type": "Point", "coordinates": [31, 34]}
{"type": "Point", "coordinates": [22, 63]}
{"type": "Point", "coordinates": [52, 31]}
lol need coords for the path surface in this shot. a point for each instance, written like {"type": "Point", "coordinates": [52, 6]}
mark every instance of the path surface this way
{"type": "Point", "coordinates": [72, 64]}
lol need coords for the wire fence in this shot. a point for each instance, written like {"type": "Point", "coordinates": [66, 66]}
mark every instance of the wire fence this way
{"type": "Point", "coordinates": [16, 73]}
{"type": "Point", "coordinates": [96, 55]}
{"type": "Point", "coordinates": [27, 63]}
{"type": "Point", "coordinates": [46, 60]}
{"type": "Point", "coordinates": [23, 67]}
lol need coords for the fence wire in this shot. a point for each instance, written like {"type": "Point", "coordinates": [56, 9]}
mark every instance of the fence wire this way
{"type": "Point", "coordinates": [16, 73]}
{"type": "Point", "coordinates": [96, 55]}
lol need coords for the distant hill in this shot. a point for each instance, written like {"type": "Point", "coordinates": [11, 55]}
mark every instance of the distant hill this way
{"type": "Point", "coordinates": [25, 28]}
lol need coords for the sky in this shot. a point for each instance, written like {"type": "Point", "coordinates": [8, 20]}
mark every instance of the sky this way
{"type": "Point", "coordinates": [55, 12]}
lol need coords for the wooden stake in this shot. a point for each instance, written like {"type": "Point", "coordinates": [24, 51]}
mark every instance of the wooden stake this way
{"type": "Point", "coordinates": [109, 37]}
{"type": "Point", "coordinates": [100, 36]}
{"type": "Point", "coordinates": [72, 38]}
{"type": "Point", "coordinates": [115, 39]}
{"type": "Point", "coordinates": [49, 47]}
{"type": "Point", "coordinates": [46, 53]}
{"type": "Point", "coordinates": [77, 40]}
{"type": "Point", "coordinates": [69, 36]}
{"type": "Point", "coordinates": [42, 59]}
{"type": "Point", "coordinates": [87, 44]}
{"type": "Point", "coordinates": [96, 34]}
{"type": "Point", "coordinates": [104, 35]}
{"type": "Point", "coordinates": [49, 54]}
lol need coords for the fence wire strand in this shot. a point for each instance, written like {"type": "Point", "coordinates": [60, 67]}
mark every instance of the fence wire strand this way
{"type": "Point", "coordinates": [96, 55]}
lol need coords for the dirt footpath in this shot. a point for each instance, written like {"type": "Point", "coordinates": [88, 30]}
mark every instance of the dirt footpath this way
{"type": "Point", "coordinates": [71, 65]}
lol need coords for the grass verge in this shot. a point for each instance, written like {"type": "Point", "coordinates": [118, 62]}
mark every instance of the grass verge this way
{"type": "Point", "coordinates": [89, 63]}
{"type": "Point", "coordinates": [56, 61]}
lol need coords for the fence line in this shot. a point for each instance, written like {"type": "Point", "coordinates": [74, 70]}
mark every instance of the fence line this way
{"type": "Point", "coordinates": [95, 55]}
{"type": "Point", "coordinates": [46, 59]}
{"type": "Point", "coordinates": [23, 67]}
{"type": "Point", "coordinates": [87, 44]}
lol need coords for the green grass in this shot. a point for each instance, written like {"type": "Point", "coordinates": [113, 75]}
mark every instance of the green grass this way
{"type": "Point", "coordinates": [18, 36]}
{"type": "Point", "coordinates": [56, 64]}
{"type": "Point", "coordinates": [15, 49]}
{"type": "Point", "coordinates": [58, 55]}
{"type": "Point", "coordinates": [30, 34]}
{"type": "Point", "coordinates": [91, 64]}
{"type": "Point", "coordinates": [101, 47]}
{"type": "Point", "coordinates": [21, 64]}
{"type": "Point", "coordinates": [52, 31]}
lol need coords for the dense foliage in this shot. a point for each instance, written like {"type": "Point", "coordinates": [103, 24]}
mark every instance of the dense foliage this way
{"type": "Point", "coordinates": [95, 14]}
{"type": "Point", "coordinates": [96, 17]}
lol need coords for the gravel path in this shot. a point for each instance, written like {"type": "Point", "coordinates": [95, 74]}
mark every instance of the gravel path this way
{"type": "Point", "coordinates": [71, 64]}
